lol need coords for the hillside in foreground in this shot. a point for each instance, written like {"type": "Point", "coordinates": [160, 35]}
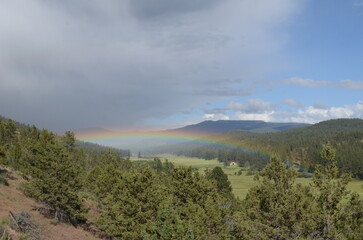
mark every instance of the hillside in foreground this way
{"type": "Point", "coordinates": [13, 199]}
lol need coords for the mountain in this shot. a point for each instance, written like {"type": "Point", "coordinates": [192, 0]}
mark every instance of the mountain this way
{"type": "Point", "coordinates": [212, 127]}
{"type": "Point", "coordinates": [144, 141]}
{"type": "Point", "coordinates": [208, 128]}
{"type": "Point", "coordinates": [298, 145]}
{"type": "Point", "coordinates": [93, 147]}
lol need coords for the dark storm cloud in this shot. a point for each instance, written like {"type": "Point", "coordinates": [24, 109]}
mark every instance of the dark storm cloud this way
{"type": "Point", "coordinates": [78, 64]}
{"type": "Point", "coordinates": [147, 9]}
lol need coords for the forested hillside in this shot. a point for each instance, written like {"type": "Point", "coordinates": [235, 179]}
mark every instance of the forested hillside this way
{"type": "Point", "coordinates": [212, 127]}
{"type": "Point", "coordinates": [143, 200]}
{"type": "Point", "coordinates": [299, 145]}
{"type": "Point", "coordinates": [99, 149]}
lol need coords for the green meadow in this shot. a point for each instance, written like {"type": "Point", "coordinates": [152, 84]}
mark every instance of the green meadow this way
{"type": "Point", "coordinates": [240, 183]}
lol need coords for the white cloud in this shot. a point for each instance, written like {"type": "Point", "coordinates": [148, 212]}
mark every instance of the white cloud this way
{"type": "Point", "coordinates": [265, 116]}
{"type": "Point", "coordinates": [252, 109]}
{"type": "Point", "coordinates": [252, 105]}
{"type": "Point", "coordinates": [291, 102]}
{"type": "Point", "coordinates": [212, 116]}
{"type": "Point", "coordinates": [349, 84]}
{"type": "Point", "coordinates": [235, 106]}
{"type": "Point", "coordinates": [306, 82]}
{"type": "Point", "coordinates": [313, 114]}
{"type": "Point", "coordinates": [342, 84]}
{"type": "Point", "coordinates": [262, 110]}
{"type": "Point", "coordinates": [320, 106]}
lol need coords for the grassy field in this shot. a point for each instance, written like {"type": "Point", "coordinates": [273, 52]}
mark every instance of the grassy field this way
{"type": "Point", "coordinates": [242, 183]}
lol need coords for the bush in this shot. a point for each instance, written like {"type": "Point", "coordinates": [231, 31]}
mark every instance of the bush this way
{"type": "Point", "coordinates": [250, 173]}
{"type": "Point", "coordinates": [25, 237]}
{"type": "Point", "coordinates": [304, 175]}
{"type": "Point", "coordinates": [54, 222]}
{"type": "Point", "coordinates": [4, 177]}
{"type": "Point", "coordinates": [3, 233]}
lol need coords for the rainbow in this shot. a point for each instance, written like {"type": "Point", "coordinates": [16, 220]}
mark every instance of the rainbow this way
{"type": "Point", "coordinates": [139, 139]}
{"type": "Point", "coordinates": [114, 139]}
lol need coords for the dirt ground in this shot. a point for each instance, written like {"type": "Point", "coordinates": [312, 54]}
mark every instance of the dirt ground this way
{"type": "Point", "coordinates": [12, 199]}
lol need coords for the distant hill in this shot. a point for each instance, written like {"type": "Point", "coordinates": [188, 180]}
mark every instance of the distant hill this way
{"type": "Point", "coordinates": [99, 149]}
{"type": "Point", "coordinates": [152, 139]}
{"type": "Point", "coordinates": [92, 130]}
{"type": "Point", "coordinates": [86, 146]}
{"type": "Point", "coordinates": [17, 124]}
{"type": "Point", "coordinates": [208, 128]}
{"type": "Point", "coordinates": [212, 127]}
{"type": "Point", "coordinates": [298, 145]}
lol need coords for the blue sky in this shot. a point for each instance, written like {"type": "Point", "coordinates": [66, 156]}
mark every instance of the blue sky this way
{"type": "Point", "coordinates": [161, 64]}
{"type": "Point", "coordinates": [324, 44]}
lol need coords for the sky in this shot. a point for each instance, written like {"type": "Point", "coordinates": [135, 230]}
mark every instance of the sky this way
{"type": "Point", "coordinates": [154, 64]}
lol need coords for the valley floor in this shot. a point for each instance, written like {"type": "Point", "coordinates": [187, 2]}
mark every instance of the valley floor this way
{"type": "Point", "coordinates": [241, 183]}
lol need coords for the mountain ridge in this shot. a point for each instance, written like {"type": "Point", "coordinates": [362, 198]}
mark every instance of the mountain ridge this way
{"type": "Point", "coordinates": [299, 145]}
{"type": "Point", "coordinates": [212, 127]}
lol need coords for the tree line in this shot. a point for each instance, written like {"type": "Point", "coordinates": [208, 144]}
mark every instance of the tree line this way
{"type": "Point", "coordinates": [300, 146]}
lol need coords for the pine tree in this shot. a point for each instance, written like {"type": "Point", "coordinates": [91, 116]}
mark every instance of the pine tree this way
{"type": "Point", "coordinates": [167, 224]}
{"type": "Point", "coordinates": [223, 184]}
{"type": "Point", "coordinates": [277, 208]}
{"type": "Point", "coordinates": [69, 141]}
{"type": "Point", "coordinates": [340, 211]}
{"type": "Point", "coordinates": [201, 208]}
{"type": "Point", "coordinates": [131, 206]}
{"type": "Point", "coordinates": [55, 178]}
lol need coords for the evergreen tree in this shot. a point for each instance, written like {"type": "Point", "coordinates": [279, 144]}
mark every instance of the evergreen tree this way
{"type": "Point", "coordinates": [167, 224]}
{"type": "Point", "coordinates": [201, 208]}
{"type": "Point", "coordinates": [69, 141]}
{"type": "Point", "coordinates": [131, 206]}
{"type": "Point", "coordinates": [276, 209]}
{"type": "Point", "coordinates": [9, 132]}
{"type": "Point", "coordinates": [55, 178]}
{"type": "Point", "coordinates": [223, 184]}
{"type": "Point", "coordinates": [340, 211]}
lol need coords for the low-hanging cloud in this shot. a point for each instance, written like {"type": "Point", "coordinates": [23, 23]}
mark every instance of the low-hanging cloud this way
{"type": "Point", "coordinates": [77, 64]}
{"type": "Point", "coordinates": [314, 114]}
{"type": "Point", "coordinates": [342, 84]}
{"type": "Point", "coordinates": [291, 102]}
{"type": "Point", "coordinates": [257, 109]}
{"type": "Point", "coordinates": [252, 105]}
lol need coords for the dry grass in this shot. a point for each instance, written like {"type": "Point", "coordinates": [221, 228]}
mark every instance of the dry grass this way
{"type": "Point", "coordinates": [12, 199]}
